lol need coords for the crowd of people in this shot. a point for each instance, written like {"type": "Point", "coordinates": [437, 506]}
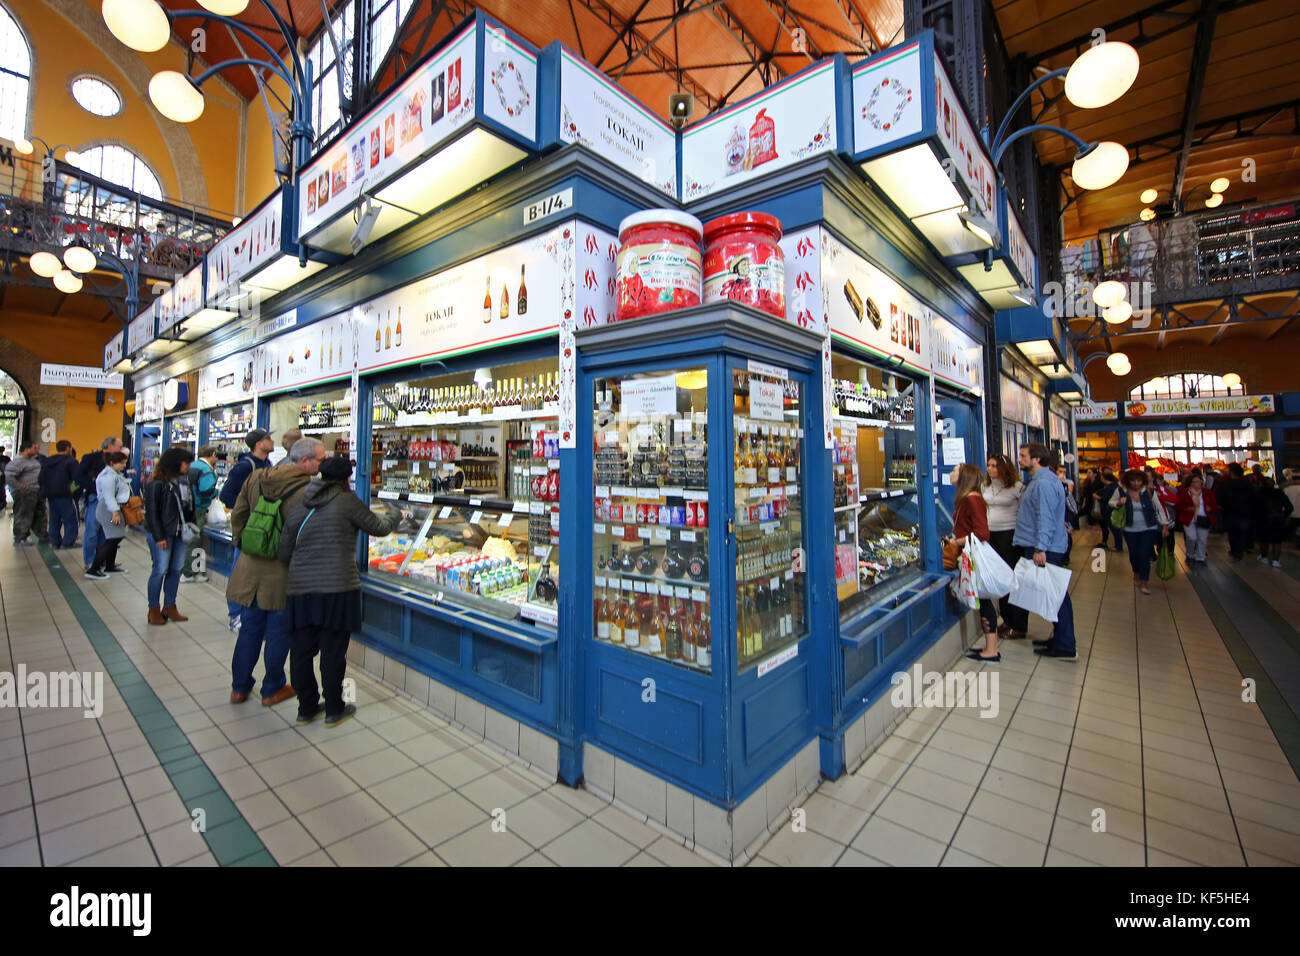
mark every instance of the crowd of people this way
{"type": "Point", "coordinates": [296, 595]}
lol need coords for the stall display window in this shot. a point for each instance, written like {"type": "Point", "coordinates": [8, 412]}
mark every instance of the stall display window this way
{"type": "Point", "coordinates": [1098, 450]}
{"type": "Point", "coordinates": [150, 448]}
{"type": "Point", "coordinates": [874, 475]}
{"type": "Point", "coordinates": [651, 516]}
{"type": "Point", "coordinates": [768, 454]}
{"type": "Point", "coordinates": [325, 415]}
{"type": "Point", "coordinates": [226, 430]}
{"type": "Point", "coordinates": [183, 430]}
{"type": "Point", "coordinates": [472, 459]}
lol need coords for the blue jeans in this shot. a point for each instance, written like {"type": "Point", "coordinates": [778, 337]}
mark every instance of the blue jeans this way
{"type": "Point", "coordinates": [234, 608]}
{"type": "Point", "coordinates": [258, 624]}
{"type": "Point", "coordinates": [93, 537]}
{"type": "Point", "coordinates": [63, 512]}
{"type": "Point", "coordinates": [1063, 629]}
{"type": "Point", "coordinates": [1141, 545]}
{"type": "Point", "coordinates": [166, 574]}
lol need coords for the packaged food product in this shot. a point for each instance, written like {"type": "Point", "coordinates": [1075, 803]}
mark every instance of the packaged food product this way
{"type": "Point", "coordinates": [743, 261]}
{"type": "Point", "coordinates": [659, 264]}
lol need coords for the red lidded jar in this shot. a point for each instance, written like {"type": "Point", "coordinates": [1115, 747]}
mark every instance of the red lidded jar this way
{"type": "Point", "coordinates": [743, 261]}
{"type": "Point", "coordinates": [659, 263]}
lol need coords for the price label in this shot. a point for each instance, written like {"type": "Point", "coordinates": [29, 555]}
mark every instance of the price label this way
{"type": "Point", "coordinates": [627, 585]}
{"type": "Point", "coordinates": [842, 538]}
{"type": "Point", "coordinates": [555, 521]}
{"type": "Point", "coordinates": [774, 583]}
{"type": "Point", "coordinates": [651, 588]}
{"type": "Point", "coordinates": [624, 492]}
{"type": "Point", "coordinates": [423, 499]}
{"type": "Point", "coordinates": [598, 528]}
{"type": "Point", "coordinates": [616, 530]}
{"type": "Point", "coordinates": [671, 492]}
{"type": "Point", "coordinates": [390, 495]}
{"type": "Point", "coordinates": [505, 520]}
{"type": "Point", "coordinates": [776, 491]}
{"type": "Point", "coordinates": [643, 533]}
{"type": "Point", "coordinates": [690, 495]}
{"type": "Point", "coordinates": [537, 507]}
{"type": "Point", "coordinates": [789, 575]}
{"type": "Point", "coordinates": [537, 470]}
{"type": "Point", "coordinates": [768, 527]}
{"type": "Point", "coordinates": [600, 580]}
{"type": "Point", "coordinates": [645, 431]}
{"type": "Point", "coordinates": [647, 492]}
{"type": "Point", "coordinates": [698, 595]}
{"type": "Point", "coordinates": [611, 438]}
{"type": "Point", "coordinates": [476, 517]}
{"type": "Point", "coordinates": [639, 587]}
{"type": "Point", "coordinates": [663, 534]}
{"type": "Point", "coordinates": [757, 492]}
{"type": "Point", "coordinates": [415, 467]}
{"type": "Point", "coordinates": [521, 507]}
{"type": "Point", "coordinates": [602, 491]}
{"type": "Point", "coordinates": [387, 463]}
{"type": "Point", "coordinates": [476, 502]}
{"type": "Point", "coordinates": [681, 425]}
{"type": "Point", "coordinates": [681, 592]}
{"type": "Point", "coordinates": [687, 535]}
{"type": "Point", "coordinates": [553, 464]}
{"type": "Point", "coordinates": [445, 513]}
{"type": "Point", "coordinates": [896, 494]}
{"type": "Point", "coordinates": [791, 489]}
{"type": "Point", "coordinates": [541, 551]}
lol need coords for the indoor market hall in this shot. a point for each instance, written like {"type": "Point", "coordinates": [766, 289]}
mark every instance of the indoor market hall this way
{"type": "Point", "coordinates": [638, 433]}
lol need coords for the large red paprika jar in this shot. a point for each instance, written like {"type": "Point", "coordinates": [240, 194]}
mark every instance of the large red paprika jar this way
{"type": "Point", "coordinates": [743, 261]}
{"type": "Point", "coordinates": [659, 265]}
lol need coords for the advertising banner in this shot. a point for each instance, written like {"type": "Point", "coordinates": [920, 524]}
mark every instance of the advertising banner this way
{"type": "Point", "coordinates": [227, 380]}
{"type": "Point", "coordinates": [244, 250]}
{"type": "Point", "coordinates": [790, 122]}
{"type": "Point", "coordinates": [182, 300]}
{"type": "Point", "coordinates": [963, 146]}
{"type": "Point", "coordinates": [887, 98]}
{"type": "Point", "coordinates": [113, 351]}
{"type": "Point", "coordinates": [1181, 407]}
{"type": "Point", "coordinates": [141, 330]}
{"type": "Point", "coordinates": [510, 92]}
{"type": "Point", "coordinates": [955, 357]}
{"type": "Point", "coordinates": [1097, 411]}
{"type": "Point", "coordinates": [80, 376]}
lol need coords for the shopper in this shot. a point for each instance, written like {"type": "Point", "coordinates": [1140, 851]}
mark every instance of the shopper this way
{"type": "Point", "coordinates": [168, 506]}
{"type": "Point", "coordinates": [1272, 509]}
{"type": "Point", "coordinates": [22, 475]}
{"type": "Point", "coordinates": [319, 543]}
{"type": "Point", "coordinates": [260, 445]}
{"type": "Point", "coordinates": [54, 484]}
{"type": "Point", "coordinates": [1145, 523]}
{"type": "Point", "coordinates": [4, 463]}
{"type": "Point", "coordinates": [1087, 504]}
{"type": "Point", "coordinates": [970, 517]}
{"type": "Point", "coordinates": [1109, 485]}
{"type": "Point", "coordinates": [1236, 498]}
{"type": "Point", "coordinates": [1040, 532]}
{"type": "Point", "coordinates": [203, 486]}
{"type": "Point", "coordinates": [1071, 503]}
{"type": "Point", "coordinates": [1292, 490]}
{"type": "Point", "coordinates": [112, 489]}
{"type": "Point", "coordinates": [88, 472]}
{"type": "Point", "coordinates": [258, 584]}
{"type": "Point", "coordinates": [1002, 490]}
{"type": "Point", "coordinates": [1196, 509]}
{"type": "Point", "coordinates": [278, 455]}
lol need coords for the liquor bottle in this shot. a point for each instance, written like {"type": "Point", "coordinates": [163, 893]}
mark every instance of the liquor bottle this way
{"type": "Point", "coordinates": [615, 612]}
{"type": "Point", "coordinates": [775, 459]}
{"type": "Point", "coordinates": [521, 300]}
{"type": "Point", "coordinates": [740, 459]}
{"type": "Point", "coordinates": [791, 460]}
{"type": "Point", "coordinates": [703, 638]}
{"type": "Point", "coordinates": [505, 302]}
{"type": "Point", "coordinates": [331, 356]}
{"type": "Point", "coordinates": [751, 463]}
{"type": "Point", "coordinates": [554, 395]}
{"type": "Point", "coordinates": [680, 632]}
{"type": "Point", "coordinates": [399, 326]}
{"type": "Point", "coordinates": [631, 624]}
{"type": "Point", "coordinates": [388, 331]}
{"type": "Point", "coordinates": [602, 615]}
{"type": "Point", "coordinates": [320, 354]}
{"type": "Point", "coordinates": [487, 302]}
{"type": "Point", "coordinates": [655, 639]}
{"type": "Point", "coordinates": [745, 630]}
{"type": "Point", "coordinates": [377, 336]}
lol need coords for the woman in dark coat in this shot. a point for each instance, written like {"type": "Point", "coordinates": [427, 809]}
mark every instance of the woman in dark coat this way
{"type": "Point", "coordinates": [168, 506]}
{"type": "Point", "coordinates": [319, 541]}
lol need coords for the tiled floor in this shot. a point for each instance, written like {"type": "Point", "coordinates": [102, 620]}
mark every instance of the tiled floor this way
{"type": "Point", "coordinates": [1149, 727]}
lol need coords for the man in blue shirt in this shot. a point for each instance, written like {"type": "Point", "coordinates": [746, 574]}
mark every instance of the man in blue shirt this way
{"type": "Point", "coordinates": [1040, 531]}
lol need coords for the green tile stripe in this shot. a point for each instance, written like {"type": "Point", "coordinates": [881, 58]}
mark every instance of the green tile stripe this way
{"type": "Point", "coordinates": [229, 836]}
{"type": "Point", "coordinates": [1281, 719]}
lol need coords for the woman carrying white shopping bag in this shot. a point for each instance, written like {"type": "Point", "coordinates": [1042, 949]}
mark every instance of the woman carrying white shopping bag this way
{"type": "Point", "coordinates": [970, 519]}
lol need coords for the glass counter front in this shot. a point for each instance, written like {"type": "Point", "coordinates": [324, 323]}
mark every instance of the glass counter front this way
{"type": "Point", "coordinates": [473, 459]}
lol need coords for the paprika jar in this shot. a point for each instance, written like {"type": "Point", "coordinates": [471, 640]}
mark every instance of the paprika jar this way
{"type": "Point", "coordinates": [659, 265]}
{"type": "Point", "coordinates": [743, 261]}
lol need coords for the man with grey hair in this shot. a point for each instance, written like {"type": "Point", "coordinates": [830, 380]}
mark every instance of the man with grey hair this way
{"type": "Point", "coordinates": [88, 470]}
{"type": "Point", "coordinates": [287, 441]}
{"type": "Point", "coordinates": [260, 585]}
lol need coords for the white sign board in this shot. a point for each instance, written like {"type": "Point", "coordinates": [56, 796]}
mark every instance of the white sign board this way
{"type": "Point", "coordinates": [598, 115]}
{"type": "Point", "coordinates": [182, 300]}
{"type": "Point", "coordinates": [955, 357]}
{"type": "Point", "coordinates": [79, 376]}
{"type": "Point", "coordinates": [227, 380]}
{"type": "Point", "coordinates": [650, 396]}
{"type": "Point", "coordinates": [141, 330]}
{"type": "Point", "coordinates": [887, 98]}
{"type": "Point", "coordinates": [1181, 407]}
{"type": "Point", "coordinates": [789, 123]}
{"type": "Point", "coordinates": [1097, 411]}
{"type": "Point", "coordinates": [766, 400]}
{"type": "Point", "coordinates": [113, 350]}
{"type": "Point", "coordinates": [243, 250]}
{"type": "Point", "coordinates": [510, 83]}
{"type": "Point", "coordinates": [315, 353]}
{"type": "Point", "coordinates": [964, 147]}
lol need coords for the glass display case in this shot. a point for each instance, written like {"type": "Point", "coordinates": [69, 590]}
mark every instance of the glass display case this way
{"type": "Point", "coordinates": [226, 428]}
{"type": "Point", "coordinates": [651, 513]}
{"type": "Point", "coordinates": [150, 448]}
{"type": "Point", "coordinates": [474, 458]}
{"type": "Point", "coordinates": [183, 431]}
{"type": "Point", "coordinates": [874, 462]}
{"type": "Point", "coordinates": [767, 453]}
{"type": "Point", "coordinates": [326, 415]}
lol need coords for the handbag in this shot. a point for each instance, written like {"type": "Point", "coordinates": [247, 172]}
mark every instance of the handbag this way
{"type": "Point", "coordinates": [189, 532]}
{"type": "Point", "coordinates": [133, 510]}
{"type": "Point", "coordinates": [1119, 518]}
{"type": "Point", "coordinates": [1166, 565]}
{"type": "Point", "coordinates": [951, 551]}
{"type": "Point", "coordinates": [1202, 521]}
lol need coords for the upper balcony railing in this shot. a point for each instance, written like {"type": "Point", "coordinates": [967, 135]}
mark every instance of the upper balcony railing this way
{"type": "Point", "coordinates": [1188, 257]}
{"type": "Point", "coordinates": [35, 213]}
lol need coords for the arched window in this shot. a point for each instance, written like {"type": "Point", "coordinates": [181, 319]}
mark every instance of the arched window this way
{"type": "Point", "coordinates": [15, 78]}
{"type": "Point", "coordinates": [1185, 385]}
{"type": "Point", "coordinates": [117, 164]}
{"type": "Point", "coordinates": [11, 393]}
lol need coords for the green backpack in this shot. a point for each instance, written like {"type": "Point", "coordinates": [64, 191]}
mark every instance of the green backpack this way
{"type": "Point", "coordinates": [262, 531]}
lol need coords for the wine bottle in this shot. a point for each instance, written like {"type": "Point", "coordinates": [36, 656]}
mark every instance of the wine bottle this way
{"type": "Point", "coordinates": [378, 338]}
{"type": "Point", "coordinates": [388, 331]}
{"type": "Point", "coordinates": [487, 302]}
{"type": "Point", "coordinates": [521, 301]}
{"type": "Point", "coordinates": [399, 326]}
{"type": "Point", "coordinates": [505, 302]}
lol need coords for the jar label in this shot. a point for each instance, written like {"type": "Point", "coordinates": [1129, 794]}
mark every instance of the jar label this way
{"type": "Point", "coordinates": [658, 273]}
{"type": "Point", "coordinates": [742, 278]}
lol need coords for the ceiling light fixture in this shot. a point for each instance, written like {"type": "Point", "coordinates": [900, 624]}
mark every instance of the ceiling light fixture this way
{"type": "Point", "coordinates": [1149, 196]}
{"type": "Point", "coordinates": [140, 24]}
{"type": "Point", "coordinates": [1118, 363]}
{"type": "Point", "coordinates": [1232, 380]}
{"type": "Point", "coordinates": [1099, 165]}
{"type": "Point", "coordinates": [175, 96]}
{"type": "Point", "coordinates": [1147, 214]}
{"type": "Point", "coordinates": [1101, 75]}
{"type": "Point", "coordinates": [67, 282]}
{"type": "Point", "coordinates": [225, 8]}
{"type": "Point", "coordinates": [1214, 201]}
{"type": "Point", "coordinates": [45, 264]}
{"type": "Point", "coordinates": [1120, 312]}
{"type": "Point", "coordinates": [79, 259]}
{"type": "Point", "coordinates": [1109, 293]}
{"type": "Point", "coordinates": [1219, 185]}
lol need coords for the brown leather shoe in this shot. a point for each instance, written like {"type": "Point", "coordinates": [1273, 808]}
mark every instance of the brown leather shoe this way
{"type": "Point", "coordinates": [156, 616]}
{"type": "Point", "coordinates": [283, 694]}
{"type": "Point", "coordinates": [238, 698]}
{"type": "Point", "coordinates": [172, 614]}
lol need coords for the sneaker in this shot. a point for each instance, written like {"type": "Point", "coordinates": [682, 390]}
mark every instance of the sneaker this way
{"type": "Point", "coordinates": [195, 579]}
{"type": "Point", "coordinates": [1263, 559]}
{"type": "Point", "coordinates": [235, 622]}
{"type": "Point", "coordinates": [97, 575]}
{"type": "Point", "coordinates": [348, 711]}
{"type": "Point", "coordinates": [116, 569]}
{"type": "Point", "coordinates": [306, 717]}
{"type": "Point", "coordinates": [187, 579]}
{"type": "Point", "coordinates": [1058, 654]}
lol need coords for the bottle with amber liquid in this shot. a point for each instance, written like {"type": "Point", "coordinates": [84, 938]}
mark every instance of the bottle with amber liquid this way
{"type": "Point", "coordinates": [487, 302]}
{"type": "Point", "coordinates": [653, 632]}
{"type": "Point", "coordinates": [703, 638]}
{"type": "Point", "coordinates": [614, 613]}
{"type": "Point", "coordinates": [740, 459]}
{"type": "Point", "coordinates": [399, 326]}
{"type": "Point", "coordinates": [521, 300]}
{"type": "Point", "coordinates": [672, 638]}
{"type": "Point", "coordinates": [631, 623]}
{"type": "Point", "coordinates": [751, 462]}
{"type": "Point", "coordinates": [791, 459]}
{"type": "Point", "coordinates": [775, 458]}
{"type": "Point", "coordinates": [377, 336]}
{"type": "Point", "coordinates": [602, 614]}
{"type": "Point", "coordinates": [505, 302]}
{"type": "Point", "coordinates": [681, 633]}
{"type": "Point", "coordinates": [388, 331]}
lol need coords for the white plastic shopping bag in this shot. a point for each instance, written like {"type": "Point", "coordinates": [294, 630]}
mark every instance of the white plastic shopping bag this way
{"type": "Point", "coordinates": [1040, 590]}
{"type": "Point", "coordinates": [992, 577]}
{"type": "Point", "coordinates": [218, 516]}
{"type": "Point", "coordinates": [963, 585]}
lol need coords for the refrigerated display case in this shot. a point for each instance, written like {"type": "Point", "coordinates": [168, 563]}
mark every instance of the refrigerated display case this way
{"type": "Point", "coordinates": [473, 457]}
{"type": "Point", "coordinates": [183, 431]}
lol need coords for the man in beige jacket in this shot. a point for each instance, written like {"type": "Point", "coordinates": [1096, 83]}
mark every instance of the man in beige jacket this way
{"type": "Point", "coordinates": [260, 584]}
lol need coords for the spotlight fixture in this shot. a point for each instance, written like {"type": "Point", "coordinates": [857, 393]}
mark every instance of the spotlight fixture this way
{"type": "Point", "coordinates": [1109, 293]}
{"type": "Point", "coordinates": [1232, 380]}
{"type": "Point", "coordinates": [1149, 196]}
{"type": "Point", "coordinates": [1101, 75]}
{"type": "Point", "coordinates": [1219, 185]}
{"type": "Point", "coordinates": [79, 259]}
{"type": "Point", "coordinates": [1147, 214]}
{"type": "Point", "coordinates": [982, 228]}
